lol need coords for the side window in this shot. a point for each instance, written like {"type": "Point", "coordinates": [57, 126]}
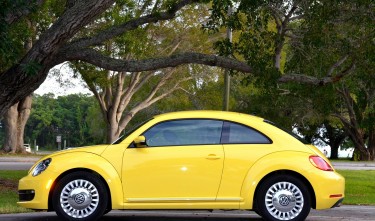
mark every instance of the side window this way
{"type": "Point", "coordinates": [234, 133]}
{"type": "Point", "coordinates": [184, 132]}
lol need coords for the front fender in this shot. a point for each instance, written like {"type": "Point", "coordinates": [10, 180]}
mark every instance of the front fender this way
{"type": "Point", "coordinates": [285, 160]}
{"type": "Point", "coordinates": [89, 161]}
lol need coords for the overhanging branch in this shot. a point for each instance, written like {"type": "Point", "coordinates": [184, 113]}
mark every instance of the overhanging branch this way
{"type": "Point", "coordinates": [93, 57]}
{"type": "Point", "coordinates": [305, 79]}
{"type": "Point", "coordinates": [132, 24]}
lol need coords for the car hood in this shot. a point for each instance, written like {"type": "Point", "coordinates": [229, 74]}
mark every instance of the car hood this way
{"type": "Point", "coordinates": [97, 149]}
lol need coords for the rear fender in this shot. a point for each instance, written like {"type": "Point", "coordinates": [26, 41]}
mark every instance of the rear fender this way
{"type": "Point", "coordinates": [288, 160]}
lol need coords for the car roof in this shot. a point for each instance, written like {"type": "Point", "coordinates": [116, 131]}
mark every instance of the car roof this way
{"type": "Point", "coordinates": [206, 114]}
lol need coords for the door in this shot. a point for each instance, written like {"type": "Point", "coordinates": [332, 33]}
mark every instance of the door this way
{"type": "Point", "coordinates": [243, 146]}
{"type": "Point", "coordinates": [183, 160]}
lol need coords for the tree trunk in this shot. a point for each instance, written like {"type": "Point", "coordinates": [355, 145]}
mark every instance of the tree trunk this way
{"type": "Point", "coordinates": [359, 144]}
{"type": "Point", "coordinates": [10, 125]}
{"type": "Point", "coordinates": [114, 129]}
{"type": "Point", "coordinates": [24, 109]}
{"type": "Point", "coordinates": [15, 121]}
{"type": "Point", "coordinates": [111, 133]}
{"type": "Point", "coordinates": [352, 126]}
{"type": "Point", "coordinates": [371, 144]}
{"type": "Point", "coordinates": [334, 151]}
{"type": "Point", "coordinates": [19, 113]}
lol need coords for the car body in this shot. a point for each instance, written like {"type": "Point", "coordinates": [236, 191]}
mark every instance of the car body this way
{"type": "Point", "coordinates": [188, 160]}
{"type": "Point", "coordinates": [27, 148]}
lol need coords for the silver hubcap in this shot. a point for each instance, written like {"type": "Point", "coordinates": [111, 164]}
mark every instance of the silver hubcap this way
{"type": "Point", "coordinates": [79, 198]}
{"type": "Point", "coordinates": [284, 200]}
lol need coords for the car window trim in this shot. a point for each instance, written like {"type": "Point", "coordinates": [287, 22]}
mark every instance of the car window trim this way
{"type": "Point", "coordinates": [179, 119]}
{"type": "Point", "coordinates": [226, 138]}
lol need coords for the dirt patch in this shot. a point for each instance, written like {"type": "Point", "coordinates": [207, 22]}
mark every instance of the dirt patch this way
{"type": "Point", "coordinates": [8, 184]}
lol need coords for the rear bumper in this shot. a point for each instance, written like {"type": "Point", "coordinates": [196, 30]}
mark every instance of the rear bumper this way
{"type": "Point", "coordinates": [329, 190]}
{"type": "Point", "coordinates": [338, 203]}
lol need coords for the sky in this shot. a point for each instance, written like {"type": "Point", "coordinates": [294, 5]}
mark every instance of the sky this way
{"type": "Point", "coordinates": [63, 83]}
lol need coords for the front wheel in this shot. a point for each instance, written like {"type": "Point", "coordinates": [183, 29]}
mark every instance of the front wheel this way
{"type": "Point", "coordinates": [283, 197]}
{"type": "Point", "coordinates": [80, 196]}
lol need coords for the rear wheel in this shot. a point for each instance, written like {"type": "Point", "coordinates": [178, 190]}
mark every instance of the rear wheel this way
{"type": "Point", "coordinates": [283, 197]}
{"type": "Point", "coordinates": [80, 196]}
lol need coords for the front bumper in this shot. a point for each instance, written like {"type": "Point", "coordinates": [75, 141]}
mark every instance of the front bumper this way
{"type": "Point", "coordinates": [34, 191]}
{"type": "Point", "coordinates": [26, 195]}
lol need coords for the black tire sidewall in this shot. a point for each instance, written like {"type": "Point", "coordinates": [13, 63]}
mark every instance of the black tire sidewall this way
{"type": "Point", "coordinates": [260, 196]}
{"type": "Point", "coordinates": [95, 180]}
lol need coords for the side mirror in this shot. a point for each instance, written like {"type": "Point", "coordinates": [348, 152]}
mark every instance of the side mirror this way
{"type": "Point", "coordinates": [140, 141]}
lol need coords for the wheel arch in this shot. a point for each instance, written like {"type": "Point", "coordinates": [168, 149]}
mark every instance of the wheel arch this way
{"type": "Point", "coordinates": [289, 173]}
{"type": "Point", "coordinates": [295, 164]}
{"type": "Point", "coordinates": [50, 205]}
{"type": "Point", "coordinates": [64, 164]}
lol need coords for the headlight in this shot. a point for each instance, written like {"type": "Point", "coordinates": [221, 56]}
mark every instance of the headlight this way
{"type": "Point", "coordinates": [42, 166]}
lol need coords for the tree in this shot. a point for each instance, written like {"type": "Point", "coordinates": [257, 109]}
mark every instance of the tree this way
{"type": "Point", "coordinates": [121, 95]}
{"type": "Point", "coordinates": [74, 117]}
{"type": "Point", "coordinates": [358, 116]}
{"type": "Point", "coordinates": [16, 116]}
{"type": "Point", "coordinates": [62, 41]}
{"type": "Point", "coordinates": [341, 43]}
{"type": "Point", "coordinates": [322, 42]}
{"type": "Point", "coordinates": [14, 122]}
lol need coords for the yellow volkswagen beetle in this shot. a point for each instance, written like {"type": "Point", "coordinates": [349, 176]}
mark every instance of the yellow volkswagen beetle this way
{"type": "Point", "coordinates": [188, 160]}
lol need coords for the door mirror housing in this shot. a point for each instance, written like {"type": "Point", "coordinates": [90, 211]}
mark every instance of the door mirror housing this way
{"type": "Point", "coordinates": [140, 141]}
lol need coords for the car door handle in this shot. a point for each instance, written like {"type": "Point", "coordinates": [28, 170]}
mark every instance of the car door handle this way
{"type": "Point", "coordinates": [213, 157]}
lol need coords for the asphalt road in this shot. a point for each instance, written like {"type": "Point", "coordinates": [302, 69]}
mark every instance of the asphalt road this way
{"type": "Point", "coordinates": [343, 213]}
{"type": "Point", "coordinates": [17, 163]}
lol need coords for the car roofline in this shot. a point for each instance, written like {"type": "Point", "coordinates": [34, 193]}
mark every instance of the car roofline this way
{"type": "Point", "coordinates": [204, 114]}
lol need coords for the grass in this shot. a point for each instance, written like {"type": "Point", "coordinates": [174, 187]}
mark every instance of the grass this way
{"type": "Point", "coordinates": [8, 191]}
{"type": "Point", "coordinates": [360, 189]}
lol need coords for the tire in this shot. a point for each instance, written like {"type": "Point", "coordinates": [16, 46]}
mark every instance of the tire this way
{"type": "Point", "coordinates": [283, 197]}
{"type": "Point", "coordinates": [80, 196]}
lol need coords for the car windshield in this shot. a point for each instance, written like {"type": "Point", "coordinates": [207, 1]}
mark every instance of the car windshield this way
{"type": "Point", "coordinates": [122, 137]}
{"type": "Point", "coordinates": [288, 131]}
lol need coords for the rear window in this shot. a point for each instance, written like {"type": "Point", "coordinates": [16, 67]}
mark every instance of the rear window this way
{"type": "Point", "coordinates": [234, 133]}
{"type": "Point", "coordinates": [288, 131]}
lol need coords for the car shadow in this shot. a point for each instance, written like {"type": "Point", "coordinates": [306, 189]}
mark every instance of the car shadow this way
{"type": "Point", "coordinates": [142, 218]}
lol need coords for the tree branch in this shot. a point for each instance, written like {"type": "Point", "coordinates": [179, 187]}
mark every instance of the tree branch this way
{"type": "Point", "coordinates": [276, 14]}
{"type": "Point", "coordinates": [305, 79]}
{"type": "Point", "coordinates": [20, 11]}
{"type": "Point", "coordinates": [297, 17]}
{"type": "Point", "coordinates": [44, 50]}
{"type": "Point", "coordinates": [93, 57]}
{"type": "Point", "coordinates": [114, 31]}
{"type": "Point", "coordinates": [337, 64]}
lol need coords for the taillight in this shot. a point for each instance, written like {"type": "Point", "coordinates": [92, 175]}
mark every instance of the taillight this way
{"type": "Point", "coordinates": [320, 163]}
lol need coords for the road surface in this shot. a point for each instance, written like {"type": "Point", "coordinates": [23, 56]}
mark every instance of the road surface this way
{"type": "Point", "coordinates": [17, 163]}
{"type": "Point", "coordinates": [343, 213]}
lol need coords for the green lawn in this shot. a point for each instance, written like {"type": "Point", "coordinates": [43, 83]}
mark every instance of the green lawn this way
{"type": "Point", "coordinates": [8, 191]}
{"type": "Point", "coordinates": [360, 189]}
